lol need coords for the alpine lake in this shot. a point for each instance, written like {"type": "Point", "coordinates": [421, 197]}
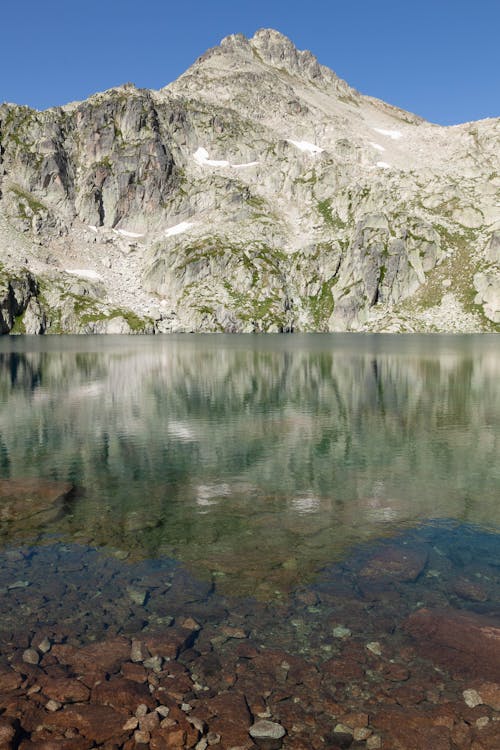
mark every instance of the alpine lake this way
{"type": "Point", "coordinates": [250, 541]}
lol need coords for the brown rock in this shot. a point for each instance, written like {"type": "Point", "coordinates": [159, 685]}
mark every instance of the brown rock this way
{"type": "Point", "coordinates": [97, 723]}
{"type": "Point", "coordinates": [121, 693]}
{"type": "Point", "coordinates": [134, 672]}
{"type": "Point", "coordinates": [406, 729]}
{"type": "Point", "coordinates": [21, 499]}
{"type": "Point", "coordinates": [490, 694]}
{"type": "Point", "coordinates": [395, 672]}
{"type": "Point", "coordinates": [231, 706]}
{"type": "Point", "coordinates": [230, 632]}
{"type": "Point", "coordinates": [9, 680]}
{"type": "Point", "coordinates": [463, 642]}
{"type": "Point", "coordinates": [165, 739]}
{"type": "Point", "coordinates": [247, 650]}
{"type": "Point", "coordinates": [149, 722]}
{"type": "Point", "coordinates": [65, 690]}
{"type": "Point", "coordinates": [107, 655]}
{"type": "Point", "coordinates": [355, 720]}
{"type": "Point", "coordinates": [396, 563]}
{"type": "Point", "coordinates": [233, 734]}
{"type": "Point", "coordinates": [7, 734]}
{"type": "Point", "coordinates": [171, 642]}
{"type": "Point", "coordinates": [470, 590]}
{"type": "Point", "coordinates": [342, 670]}
{"type": "Point", "coordinates": [175, 732]}
{"type": "Point", "coordinates": [73, 743]}
{"type": "Point", "coordinates": [486, 737]}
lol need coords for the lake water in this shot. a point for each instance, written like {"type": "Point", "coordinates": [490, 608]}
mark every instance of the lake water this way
{"type": "Point", "coordinates": [257, 483]}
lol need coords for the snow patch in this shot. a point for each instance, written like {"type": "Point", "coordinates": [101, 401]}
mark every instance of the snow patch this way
{"type": "Point", "coordinates": [394, 134]}
{"type": "Point", "coordinates": [179, 228]}
{"type": "Point", "coordinates": [243, 166]}
{"type": "Point", "coordinates": [124, 233]}
{"type": "Point", "coordinates": [377, 146]}
{"type": "Point", "coordinates": [383, 165]}
{"type": "Point", "coordinates": [201, 157]}
{"type": "Point", "coordinates": [310, 148]}
{"type": "Point", "coordinates": [85, 273]}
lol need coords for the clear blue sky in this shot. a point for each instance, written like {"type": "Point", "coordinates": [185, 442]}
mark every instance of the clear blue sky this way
{"type": "Point", "coordinates": [438, 58]}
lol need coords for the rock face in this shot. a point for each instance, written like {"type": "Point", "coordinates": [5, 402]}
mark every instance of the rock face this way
{"type": "Point", "coordinates": [258, 192]}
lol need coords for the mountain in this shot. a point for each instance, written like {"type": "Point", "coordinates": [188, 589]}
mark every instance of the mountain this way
{"type": "Point", "coordinates": [258, 192]}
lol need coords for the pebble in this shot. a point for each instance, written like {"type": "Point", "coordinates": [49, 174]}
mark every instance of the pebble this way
{"type": "Point", "coordinates": [138, 652]}
{"type": "Point", "coordinates": [482, 722]}
{"type": "Point", "coordinates": [141, 710]}
{"type": "Point", "coordinates": [374, 742]}
{"type": "Point", "coordinates": [141, 738]}
{"type": "Point", "coordinates": [341, 632]}
{"type": "Point", "coordinates": [154, 663]}
{"type": "Point", "coordinates": [132, 723]}
{"type": "Point", "coordinates": [162, 710]}
{"type": "Point", "coordinates": [213, 738]}
{"type": "Point", "coordinates": [375, 648]}
{"type": "Point", "coordinates": [53, 705]}
{"type": "Point", "coordinates": [44, 646]}
{"type": "Point", "coordinates": [138, 596]}
{"type": "Point", "coordinates": [197, 723]}
{"type": "Point", "coordinates": [472, 698]}
{"type": "Point", "coordinates": [342, 729]}
{"type": "Point", "coordinates": [230, 632]}
{"type": "Point", "coordinates": [30, 656]}
{"type": "Point", "coordinates": [190, 624]}
{"type": "Point", "coordinates": [361, 733]}
{"type": "Point", "coordinates": [266, 730]}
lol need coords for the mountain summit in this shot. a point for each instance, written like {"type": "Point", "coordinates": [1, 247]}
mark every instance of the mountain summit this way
{"type": "Point", "coordinates": [258, 192]}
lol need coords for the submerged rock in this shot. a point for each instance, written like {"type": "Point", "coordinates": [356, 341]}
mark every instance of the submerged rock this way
{"type": "Point", "coordinates": [395, 563]}
{"type": "Point", "coordinates": [23, 499]}
{"type": "Point", "coordinates": [463, 642]}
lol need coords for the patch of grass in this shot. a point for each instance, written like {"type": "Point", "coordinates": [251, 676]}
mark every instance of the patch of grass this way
{"type": "Point", "coordinates": [321, 306]}
{"type": "Point", "coordinates": [255, 201]}
{"type": "Point", "coordinates": [325, 210]}
{"type": "Point", "coordinates": [26, 199]}
{"type": "Point", "coordinates": [135, 323]}
{"type": "Point", "coordinates": [18, 328]}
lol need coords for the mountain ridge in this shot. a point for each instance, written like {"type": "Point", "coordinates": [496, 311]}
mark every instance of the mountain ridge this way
{"type": "Point", "coordinates": [257, 192]}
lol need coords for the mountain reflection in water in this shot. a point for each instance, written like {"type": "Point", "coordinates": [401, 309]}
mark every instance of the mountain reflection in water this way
{"type": "Point", "coordinates": [254, 460]}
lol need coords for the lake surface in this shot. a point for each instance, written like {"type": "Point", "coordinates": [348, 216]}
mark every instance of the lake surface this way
{"type": "Point", "coordinates": [251, 482]}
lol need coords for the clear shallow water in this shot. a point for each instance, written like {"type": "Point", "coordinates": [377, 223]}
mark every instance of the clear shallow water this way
{"type": "Point", "coordinates": [255, 461]}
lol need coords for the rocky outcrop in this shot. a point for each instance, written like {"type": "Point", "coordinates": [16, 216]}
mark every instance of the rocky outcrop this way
{"type": "Point", "coordinates": [18, 300]}
{"type": "Point", "coordinates": [258, 192]}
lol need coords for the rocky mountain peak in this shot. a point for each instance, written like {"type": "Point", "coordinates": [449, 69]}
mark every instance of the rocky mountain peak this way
{"type": "Point", "coordinates": [273, 49]}
{"type": "Point", "coordinates": [258, 192]}
{"type": "Point", "coordinates": [279, 51]}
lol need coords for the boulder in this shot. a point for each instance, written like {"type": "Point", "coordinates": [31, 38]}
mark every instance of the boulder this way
{"type": "Point", "coordinates": [395, 563]}
{"type": "Point", "coordinates": [463, 642]}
